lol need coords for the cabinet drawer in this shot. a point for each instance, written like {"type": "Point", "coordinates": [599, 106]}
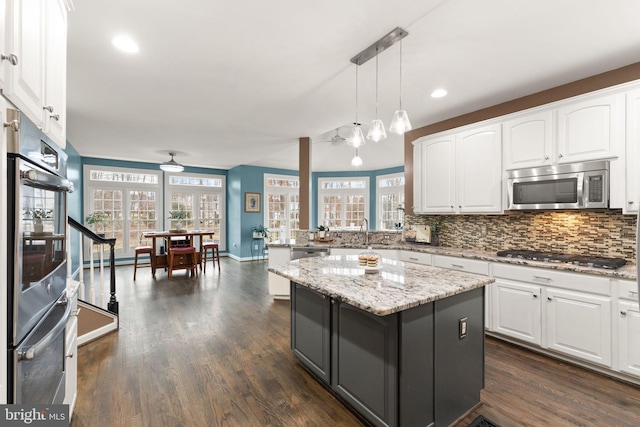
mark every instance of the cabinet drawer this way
{"type": "Point", "coordinates": [627, 289]}
{"type": "Point", "coordinates": [558, 279]}
{"type": "Point", "coordinates": [462, 264]}
{"type": "Point", "coordinates": [415, 257]}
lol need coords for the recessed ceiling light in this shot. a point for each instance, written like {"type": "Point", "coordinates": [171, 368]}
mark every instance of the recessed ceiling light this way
{"type": "Point", "coordinates": [438, 93]}
{"type": "Point", "coordinates": [125, 44]}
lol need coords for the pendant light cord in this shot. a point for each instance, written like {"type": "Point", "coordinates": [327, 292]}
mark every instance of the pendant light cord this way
{"type": "Point", "coordinates": [401, 74]}
{"type": "Point", "coordinates": [356, 95]}
{"type": "Point", "coordinates": [376, 82]}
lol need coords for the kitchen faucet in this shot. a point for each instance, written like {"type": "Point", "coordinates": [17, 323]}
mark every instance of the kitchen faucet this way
{"type": "Point", "coordinates": [365, 221]}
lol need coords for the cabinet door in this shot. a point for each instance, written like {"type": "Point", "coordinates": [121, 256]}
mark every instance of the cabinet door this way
{"type": "Point", "coordinates": [310, 330]}
{"type": "Point", "coordinates": [516, 310]}
{"type": "Point", "coordinates": [579, 325]}
{"type": "Point", "coordinates": [479, 170]}
{"type": "Point", "coordinates": [629, 333]}
{"type": "Point", "coordinates": [55, 120]}
{"type": "Point", "coordinates": [591, 129]}
{"type": "Point", "coordinates": [438, 175]}
{"type": "Point", "coordinates": [26, 86]}
{"type": "Point", "coordinates": [417, 178]}
{"type": "Point", "coordinates": [5, 48]}
{"type": "Point", "coordinates": [527, 140]}
{"type": "Point", "coordinates": [364, 362]}
{"type": "Point", "coordinates": [632, 187]}
{"type": "Point", "coordinates": [71, 363]}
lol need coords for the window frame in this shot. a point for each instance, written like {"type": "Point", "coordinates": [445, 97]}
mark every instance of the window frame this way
{"type": "Point", "coordinates": [288, 191]}
{"type": "Point", "coordinates": [344, 192]}
{"type": "Point", "coordinates": [125, 187]}
{"type": "Point", "coordinates": [381, 191]}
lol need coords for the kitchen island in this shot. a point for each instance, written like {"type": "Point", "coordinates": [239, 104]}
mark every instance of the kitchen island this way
{"type": "Point", "coordinates": [401, 346]}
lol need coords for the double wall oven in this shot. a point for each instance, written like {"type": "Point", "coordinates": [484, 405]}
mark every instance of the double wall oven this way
{"type": "Point", "coordinates": [37, 223]}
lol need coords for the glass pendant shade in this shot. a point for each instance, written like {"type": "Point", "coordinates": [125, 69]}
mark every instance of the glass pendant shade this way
{"type": "Point", "coordinates": [400, 123]}
{"type": "Point", "coordinates": [376, 131]}
{"type": "Point", "coordinates": [356, 139]}
{"type": "Point", "coordinates": [356, 161]}
{"type": "Point", "coordinates": [172, 165]}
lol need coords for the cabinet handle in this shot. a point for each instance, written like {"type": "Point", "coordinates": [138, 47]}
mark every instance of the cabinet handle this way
{"type": "Point", "coordinates": [535, 296]}
{"type": "Point", "coordinates": [459, 206]}
{"type": "Point", "coordinates": [457, 266]}
{"type": "Point", "coordinates": [13, 124]}
{"type": "Point", "coordinates": [633, 292]}
{"type": "Point", "coordinates": [624, 313]}
{"type": "Point", "coordinates": [55, 117]}
{"type": "Point", "coordinates": [11, 58]}
{"type": "Point", "coordinates": [560, 156]}
{"type": "Point", "coordinates": [546, 279]}
{"type": "Point", "coordinates": [451, 206]}
{"type": "Point", "coordinates": [546, 157]}
{"type": "Point", "coordinates": [70, 355]}
{"type": "Point", "coordinates": [48, 108]}
{"type": "Point", "coordinates": [413, 259]}
{"type": "Point", "coordinates": [549, 299]}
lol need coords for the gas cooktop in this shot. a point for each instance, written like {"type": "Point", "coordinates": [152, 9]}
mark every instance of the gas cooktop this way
{"type": "Point", "coordinates": [582, 260]}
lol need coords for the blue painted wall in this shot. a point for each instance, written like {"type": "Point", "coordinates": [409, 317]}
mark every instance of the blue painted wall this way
{"type": "Point", "coordinates": [74, 200]}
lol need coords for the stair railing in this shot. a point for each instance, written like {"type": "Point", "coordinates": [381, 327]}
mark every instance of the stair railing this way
{"type": "Point", "coordinates": [93, 238]}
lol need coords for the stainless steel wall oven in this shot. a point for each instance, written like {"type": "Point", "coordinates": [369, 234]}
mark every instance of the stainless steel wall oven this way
{"type": "Point", "coordinates": [37, 275]}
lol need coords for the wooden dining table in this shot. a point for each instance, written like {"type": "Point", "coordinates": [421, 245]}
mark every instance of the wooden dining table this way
{"type": "Point", "coordinates": [171, 238]}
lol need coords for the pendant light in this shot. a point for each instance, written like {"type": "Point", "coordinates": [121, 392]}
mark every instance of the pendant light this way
{"type": "Point", "coordinates": [356, 161]}
{"type": "Point", "coordinates": [400, 123]}
{"type": "Point", "coordinates": [356, 139]}
{"type": "Point", "coordinates": [376, 131]}
{"type": "Point", "coordinates": [172, 165]}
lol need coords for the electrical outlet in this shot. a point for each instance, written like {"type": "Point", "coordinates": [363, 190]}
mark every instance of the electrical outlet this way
{"type": "Point", "coordinates": [462, 328]}
{"type": "Point", "coordinates": [255, 247]}
{"type": "Point", "coordinates": [483, 230]}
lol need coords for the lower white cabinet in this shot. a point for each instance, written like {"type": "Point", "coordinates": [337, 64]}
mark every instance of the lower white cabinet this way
{"type": "Point", "coordinates": [278, 285]}
{"type": "Point", "coordinates": [628, 337]}
{"type": "Point", "coordinates": [516, 310]}
{"type": "Point", "coordinates": [579, 325]}
{"type": "Point", "coordinates": [71, 356]}
{"type": "Point", "coordinates": [415, 257]}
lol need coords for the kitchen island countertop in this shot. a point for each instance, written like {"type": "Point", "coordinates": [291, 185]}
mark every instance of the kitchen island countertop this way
{"type": "Point", "coordinates": [396, 287]}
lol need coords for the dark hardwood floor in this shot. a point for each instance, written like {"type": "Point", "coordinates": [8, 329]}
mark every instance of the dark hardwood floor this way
{"type": "Point", "coordinates": [214, 351]}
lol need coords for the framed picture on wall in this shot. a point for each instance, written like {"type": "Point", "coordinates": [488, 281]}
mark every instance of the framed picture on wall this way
{"type": "Point", "coordinates": [252, 202]}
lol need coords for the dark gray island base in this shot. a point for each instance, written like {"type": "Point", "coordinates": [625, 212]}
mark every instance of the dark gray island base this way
{"type": "Point", "coordinates": [417, 366]}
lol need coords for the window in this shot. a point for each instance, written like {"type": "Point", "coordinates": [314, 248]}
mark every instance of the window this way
{"type": "Point", "coordinates": [202, 197]}
{"type": "Point", "coordinates": [131, 201]}
{"type": "Point", "coordinates": [282, 212]}
{"type": "Point", "coordinates": [343, 202]}
{"type": "Point", "coordinates": [390, 196]}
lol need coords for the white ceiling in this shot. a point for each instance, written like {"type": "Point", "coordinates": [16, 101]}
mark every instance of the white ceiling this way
{"type": "Point", "coordinates": [230, 83]}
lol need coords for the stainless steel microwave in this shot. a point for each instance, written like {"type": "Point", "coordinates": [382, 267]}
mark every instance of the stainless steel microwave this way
{"type": "Point", "coordinates": [567, 186]}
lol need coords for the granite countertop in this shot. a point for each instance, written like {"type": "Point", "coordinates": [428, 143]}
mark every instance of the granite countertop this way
{"type": "Point", "coordinates": [395, 287]}
{"type": "Point", "coordinates": [627, 272]}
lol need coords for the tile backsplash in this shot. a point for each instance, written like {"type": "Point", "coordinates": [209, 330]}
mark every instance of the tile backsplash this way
{"type": "Point", "coordinates": [607, 233]}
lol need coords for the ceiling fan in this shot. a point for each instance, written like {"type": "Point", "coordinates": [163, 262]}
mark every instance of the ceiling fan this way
{"type": "Point", "coordinates": [336, 139]}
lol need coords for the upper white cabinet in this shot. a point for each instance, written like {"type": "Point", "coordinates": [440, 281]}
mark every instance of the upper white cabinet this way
{"type": "Point", "coordinates": [55, 100]}
{"type": "Point", "coordinates": [36, 82]}
{"type": "Point", "coordinates": [6, 57]}
{"type": "Point", "coordinates": [591, 129]}
{"type": "Point", "coordinates": [460, 172]}
{"type": "Point", "coordinates": [632, 187]}
{"type": "Point", "coordinates": [528, 140]}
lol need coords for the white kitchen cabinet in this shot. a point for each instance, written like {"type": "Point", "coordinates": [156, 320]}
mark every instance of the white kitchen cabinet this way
{"type": "Point", "coordinates": [71, 355]}
{"type": "Point", "coordinates": [437, 175]}
{"type": "Point", "coordinates": [36, 84]}
{"type": "Point", "coordinates": [591, 129]}
{"type": "Point", "coordinates": [632, 187]}
{"type": "Point", "coordinates": [279, 286]}
{"type": "Point", "coordinates": [461, 264]}
{"type": "Point", "coordinates": [417, 178]}
{"type": "Point", "coordinates": [55, 100]}
{"type": "Point", "coordinates": [5, 49]}
{"type": "Point", "coordinates": [25, 83]}
{"type": "Point", "coordinates": [527, 140]}
{"type": "Point", "coordinates": [460, 173]}
{"type": "Point", "coordinates": [628, 333]}
{"type": "Point", "coordinates": [415, 257]}
{"type": "Point", "coordinates": [516, 310]}
{"type": "Point", "coordinates": [579, 325]}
